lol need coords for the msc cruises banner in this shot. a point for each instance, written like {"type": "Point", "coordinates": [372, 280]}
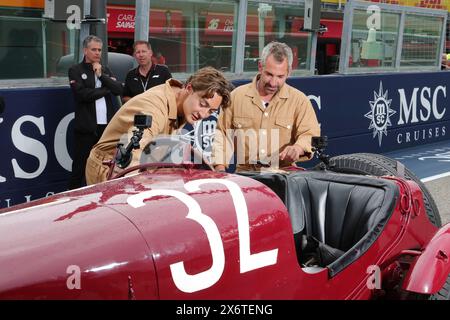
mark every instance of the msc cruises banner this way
{"type": "Point", "coordinates": [380, 113]}
{"type": "Point", "coordinates": [360, 113]}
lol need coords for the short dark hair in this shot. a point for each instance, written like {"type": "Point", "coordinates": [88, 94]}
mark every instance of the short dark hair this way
{"type": "Point", "coordinates": [89, 39]}
{"type": "Point", "coordinates": [211, 81]}
{"type": "Point", "coordinates": [149, 46]}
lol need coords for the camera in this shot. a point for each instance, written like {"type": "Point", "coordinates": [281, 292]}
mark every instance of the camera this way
{"type": "Point", "coordinates": [142, 121]}
{"type": "Point", "coordinates": [318, 146]}
{"type": "Point", "coordinates": [123, 155]}
{"type": "Point", "coordinates": [319, 143]}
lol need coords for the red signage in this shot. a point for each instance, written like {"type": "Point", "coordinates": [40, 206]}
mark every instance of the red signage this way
{"type": "Point", "coordinates": [161, 21]}
{"type": "Point", "coordinates": [334, 28]}
{"type": "Point", "coordinates": [219, 24]}
{"type": "Point", "coordinates": [223, 24]}
{"type": "Point", "coordinates": [432, 4]}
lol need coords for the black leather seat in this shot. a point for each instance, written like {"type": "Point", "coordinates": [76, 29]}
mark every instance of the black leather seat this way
{"type": "Point", "coordinates": [346, 212]}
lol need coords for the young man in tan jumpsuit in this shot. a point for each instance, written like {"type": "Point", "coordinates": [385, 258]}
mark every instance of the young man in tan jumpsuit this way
{"type": "Point", "coordinates": [268, 123]}
{"type": "Point", "coordinates": [171, 105]}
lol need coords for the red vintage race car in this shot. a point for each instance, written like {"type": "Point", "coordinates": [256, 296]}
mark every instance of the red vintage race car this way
{"type": "Point", "coordinates": [365, 228]}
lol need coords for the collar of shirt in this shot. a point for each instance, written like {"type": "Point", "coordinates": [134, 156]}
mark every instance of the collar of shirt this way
{"type": "Point", "coordinates": [98, 82]}
{"type": "Point", "coordinates": [150, 71]}
{"type": "Point", "coordinates": [85, 62]}
{"type": "Point", "coordinates": [88, 68]}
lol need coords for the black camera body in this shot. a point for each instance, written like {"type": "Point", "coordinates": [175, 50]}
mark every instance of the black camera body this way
{"type": "Point", "coordinates": [142, 121]}
{"type": "Point", "coordinates": [318, 146]}
{"type": "Point", "coordinates": [319, 143]}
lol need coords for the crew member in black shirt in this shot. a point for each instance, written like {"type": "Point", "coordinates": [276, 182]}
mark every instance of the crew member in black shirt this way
{"type": "Point", "coordinates": [146, 75]}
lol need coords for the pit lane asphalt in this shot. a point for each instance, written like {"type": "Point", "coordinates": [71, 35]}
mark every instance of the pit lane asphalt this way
{"type": "Point", "coordinates": [431, 163]}
{"type": "Point", "coordinates": [439, 189]}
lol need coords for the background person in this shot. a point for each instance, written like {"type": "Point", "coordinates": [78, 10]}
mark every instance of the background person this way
{"type": "Point", "coordinates": [146, 75]}
{"type": "Point", "coordinates": [445, 62]}
{"type": "Point", "coordinates": [171, 105]}
{"type": "Point", "coordinates": [267, 104]}
{"type": "Point", "coordinates": [92, 85]}
{"type": "Point", "coordinates": [160, 59]}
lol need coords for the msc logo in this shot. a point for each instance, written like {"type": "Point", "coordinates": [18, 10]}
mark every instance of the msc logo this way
{"type": "Point", "coordinates": [380, 115]}
{"type": "Point", "coordinates": [202, 135]}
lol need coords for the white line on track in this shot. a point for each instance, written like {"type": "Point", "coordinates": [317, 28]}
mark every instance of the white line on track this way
{"type": "Point", "coordinates": [442, 175]}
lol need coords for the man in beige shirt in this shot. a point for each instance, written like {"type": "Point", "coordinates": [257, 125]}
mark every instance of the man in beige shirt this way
{"type": "Point", "coordinates": [269, 123]}
{"type": "Point", "coordinates": [171, 105]}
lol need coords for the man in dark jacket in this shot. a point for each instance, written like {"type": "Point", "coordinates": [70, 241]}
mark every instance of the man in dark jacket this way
{"type": "Point", "coordinates": [93, 86]}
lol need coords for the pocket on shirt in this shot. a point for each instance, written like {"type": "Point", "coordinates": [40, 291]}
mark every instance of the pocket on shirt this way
{"type": "Point", "coordinates": [285, 123]}
{"type": "Point", "coordinates": [242, 123]}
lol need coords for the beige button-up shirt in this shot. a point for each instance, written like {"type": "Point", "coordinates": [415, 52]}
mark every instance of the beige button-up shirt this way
{"type": "Point", "coordinates": [259, 133]}
{"type": "Point", "coordinates": [159, 102]}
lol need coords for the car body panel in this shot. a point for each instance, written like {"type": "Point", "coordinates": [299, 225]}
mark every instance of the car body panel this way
{"type": "Point", "coordinates": [430, 270]}
{"type": "Point", "coordinates": [177, 233]}
{"type": "Point", "coordinates": [175, 238]}
{"type": "Point", "coordinates": [73, 247]}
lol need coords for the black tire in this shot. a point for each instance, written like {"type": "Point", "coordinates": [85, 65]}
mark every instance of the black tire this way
{"type": "Point", "coordinates": [379, 165]}
{"type": "Point", "coordinates": [444, 293]}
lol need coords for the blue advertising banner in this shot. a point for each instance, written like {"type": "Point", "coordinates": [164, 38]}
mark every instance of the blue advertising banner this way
{"type": "Point", "coordinates": [36, 138]}
{"type": "Point", "coordinates": [359, 113]}
{"type": "Point", "coordinates": [380, 113]}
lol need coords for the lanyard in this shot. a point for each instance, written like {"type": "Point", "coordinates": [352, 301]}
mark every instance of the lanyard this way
{"type": "Point", "coordinates": [144, 86]}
